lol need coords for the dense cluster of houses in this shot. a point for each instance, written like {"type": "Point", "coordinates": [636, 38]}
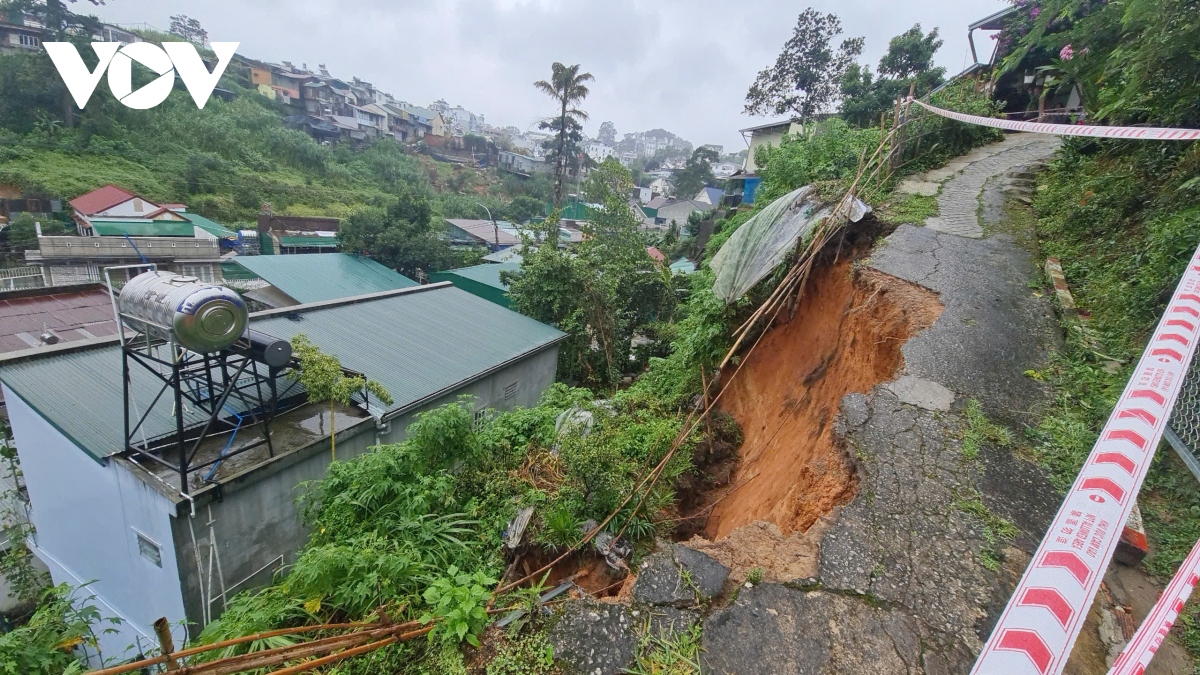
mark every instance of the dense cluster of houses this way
{"type": "Point", "coordinates": [330, 108]}
{"type": "Point", "coordinates": [20, 31]}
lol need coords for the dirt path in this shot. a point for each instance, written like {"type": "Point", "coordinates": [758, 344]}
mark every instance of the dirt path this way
{"type": "Point", "coordinates": [907, 579]}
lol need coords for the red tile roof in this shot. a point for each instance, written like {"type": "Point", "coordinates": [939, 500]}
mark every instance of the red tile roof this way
{"type": "Point", "coordinates": [99, 200]}
{"type": "Point", "coordinates": [71, 315]}
{"type": "Point", "coordinates": [656, 254]}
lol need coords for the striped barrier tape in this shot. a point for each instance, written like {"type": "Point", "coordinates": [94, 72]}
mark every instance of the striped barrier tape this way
{"type": "Point", "coordinates": [1135, 133]}
{"type": "Point", "coordinates": [1136, 657]}
{"type": "Point", "coordinates": [1043, 618]}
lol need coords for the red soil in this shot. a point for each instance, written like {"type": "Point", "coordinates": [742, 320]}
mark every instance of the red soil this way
{"type": "Point", "coordinates": [845, 337]}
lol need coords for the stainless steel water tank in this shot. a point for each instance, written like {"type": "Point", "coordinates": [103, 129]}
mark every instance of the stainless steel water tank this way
{"type": "Point", "coordinates": [202, 317]}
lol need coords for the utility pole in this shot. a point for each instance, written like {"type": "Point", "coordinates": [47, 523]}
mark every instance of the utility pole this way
{"type": "Point", "coordinates": [495, 227]}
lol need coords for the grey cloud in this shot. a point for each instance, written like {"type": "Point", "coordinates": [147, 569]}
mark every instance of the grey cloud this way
{"type": "Point", "coordinates": [683, 65]}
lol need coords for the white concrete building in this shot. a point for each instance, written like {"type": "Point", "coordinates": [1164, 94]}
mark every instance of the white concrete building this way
{"type": "Point", "coordinates": [599, 151]}
{"type": "Point", "coordinates": [118, 519]}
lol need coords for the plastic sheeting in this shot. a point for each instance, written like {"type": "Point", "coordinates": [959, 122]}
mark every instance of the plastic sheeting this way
{"type": "Point", "coordinates": [764, 241]}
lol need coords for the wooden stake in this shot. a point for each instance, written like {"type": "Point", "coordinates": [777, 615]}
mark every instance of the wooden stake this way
{"type": "Point", "coordinates": [163, 630]}
{"type": "Point", "coordinates": [707, 416]}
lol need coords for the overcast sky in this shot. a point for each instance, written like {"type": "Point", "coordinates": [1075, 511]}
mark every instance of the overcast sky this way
{"type": "Point", "coordinates": [682, 65]}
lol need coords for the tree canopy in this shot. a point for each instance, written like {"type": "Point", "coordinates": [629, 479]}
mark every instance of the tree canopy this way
{"type": "Point", "coordinates": [402, 236]}
{"type": "Point", "coordinates": [603, 291]}
{"type": "Point", "coordinates": [908, 62]}
{"type": "Point", "coordinates": [804, 80]}
{"type": "Point", "coordinates": [568, 87]}
{"type": "Point", "coordinates": [696, 174]}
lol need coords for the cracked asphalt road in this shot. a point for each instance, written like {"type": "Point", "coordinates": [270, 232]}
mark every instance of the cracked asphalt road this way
{"type": "Point", "coordinates": [906, 553]}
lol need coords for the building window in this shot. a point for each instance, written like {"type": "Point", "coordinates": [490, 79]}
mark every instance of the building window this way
{"type": "Point", "coordinates": [510, 391]}
{"type": "Point", "coordinates": [30, 41]}
{"type": "Point", "coordinates": [201, 272]}
{"type": "Point", "coordinates": [149, 549]}
{"type": "Point", "coordinates": [481, 418]}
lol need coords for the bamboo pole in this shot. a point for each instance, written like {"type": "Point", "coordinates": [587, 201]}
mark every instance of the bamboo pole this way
{"type": "Point", "coordinates": [317, 663]}
{"type": "Point", "coordinates": [145, 663]}
{"type": "Point", "coordinates": [162, 629]}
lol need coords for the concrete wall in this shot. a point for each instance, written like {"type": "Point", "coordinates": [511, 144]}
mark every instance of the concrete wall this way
{"type": "Point", "coordinates": [255, 523]}
{"type": "Point", "coordinates": [532, 376]}
{"type": "Point", "coordinates": [118, 248]}
{"type": "Point", "coordinates": [772, 136]}
{"type": "Point", "coordinates": [87, 518]}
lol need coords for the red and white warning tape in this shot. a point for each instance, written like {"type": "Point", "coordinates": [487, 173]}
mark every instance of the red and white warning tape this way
{"type": "Point", "coordinates": [1139, 651]}
{"type": "Point", "coordinates": [1135, 133]}
{"type": "Point", "coordinates": [1037, 630]}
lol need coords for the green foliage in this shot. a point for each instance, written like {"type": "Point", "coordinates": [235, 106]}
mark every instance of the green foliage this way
{"type": "Point", "coordinates": [561, 527]}
{"type": "Point", "coordinates": [941, 139]}
{"type": "Point", "coordinates": [441, 437]}
{"type": "Point", "coordinates": [908, 62]}
{"type": "Point", "coordinates": [568, 87]}
{"type": "Point", "coordinates": [22, 232]}
{"type": "Point", "coordinates": [755, 575]}
{"type": "Point", "coordinates": [830, 151]}
{"type": "Point", "coordinates": [602, 292]}
{"type": "Point", "coordinates": [523, 208]}
{"type": "Point", "coordinates": [804, 80]}
{"type": "Point", "coordinates": [323, 377]}
{"type": "Point", "coordinates": [671, 654]}
{"type": "Point", "coordinates": [25, 582]}
{"type": "Point", "coordinates": [403, 236]}
{"type": "Point", "coordinates": [907, 208]}
{"type": "Point", "coordinates": [458, 602]}
{"type": "Point", "coordinates": [997, 531]}
{"type": "Point", "coordinates": [981, 431]}
{"type": "Point", "coordinates": [1134, 61]}
{"type": "Point", "coordinates": [46, 643]}
{"type": "Point", "coordinates": [696, 173]}
{"type": "Point", "coordinates": [529, 655]}
{"type": "Point", "coordinates": [255, 612]}
{"type": "Point", "coordinates": [1122, 218]}
{"type": "Point", "coordinates": [910, 54]}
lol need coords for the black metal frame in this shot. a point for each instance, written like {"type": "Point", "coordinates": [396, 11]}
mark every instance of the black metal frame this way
{"type": "Point", "coordinates": [206, 382]}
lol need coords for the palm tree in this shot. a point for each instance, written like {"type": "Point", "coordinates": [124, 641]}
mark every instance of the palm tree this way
{"type": "Point", "coordinates": [566, 86]}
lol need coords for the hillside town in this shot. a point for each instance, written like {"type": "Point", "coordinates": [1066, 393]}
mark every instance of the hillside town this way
{"type": "Point", "coordinates": [304, 377]}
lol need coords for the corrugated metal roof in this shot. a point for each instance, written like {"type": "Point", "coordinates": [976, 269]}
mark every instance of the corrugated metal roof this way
{"type": "Point", "coordinates": [214, 228]}
{"type": "Point", "coordinates": [420, 343]}
{"type": "Point", "coordinates": [486, 231]}
{"type": "Point", "coordinates": [314, 277]}
{"type": "Point", "coordinates": [309, 242]}
{"type": "Point", "coordinates": [90, 410]}
{"type": "Point", "coordinates": [487, 273]}
{"type": "Point", "coordinates": [142, 228]}
{"type": "Point", "coordinates": [72, 315]}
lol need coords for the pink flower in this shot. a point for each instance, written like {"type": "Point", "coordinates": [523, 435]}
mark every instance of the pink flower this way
{"type": "Point", "coordinates": [1033, 13]}
{"type": "Point", "coordinates": [1067, 53]}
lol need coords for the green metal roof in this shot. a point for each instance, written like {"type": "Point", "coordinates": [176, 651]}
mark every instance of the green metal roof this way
{"type": "Point", "coordinates": [214, 228]}
{"type": "Point", "coordinates": [487, 274]}
{"type": "Point", "coordinates": [118, 227]}
{"type": "Point", "coordinates": [309, 242]}
{"type": "Point", "coordinates": [683, 266]}
{"type": "Point", "coordinates": [144, 228]}
{"type": "Point", "coordinates": [313, 277]}
{"type": "Point", "coordinates": [421, 344]}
